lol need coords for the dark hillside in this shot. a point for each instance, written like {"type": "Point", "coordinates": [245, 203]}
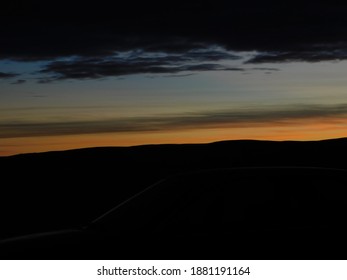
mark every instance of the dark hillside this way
{"type": "Point", "coordinates": [54, 190]}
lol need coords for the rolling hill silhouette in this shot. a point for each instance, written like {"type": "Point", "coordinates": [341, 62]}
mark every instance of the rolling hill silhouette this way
{"type": "Point", "coordinates": [57, 190]}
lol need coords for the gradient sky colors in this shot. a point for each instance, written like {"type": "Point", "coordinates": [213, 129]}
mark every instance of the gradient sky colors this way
{"type": "Point", "coordinates": [216, 72]}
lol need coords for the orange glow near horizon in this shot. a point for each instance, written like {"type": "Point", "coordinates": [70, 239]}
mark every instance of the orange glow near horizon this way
{"type": "Point", "coordinates": [301, 131]}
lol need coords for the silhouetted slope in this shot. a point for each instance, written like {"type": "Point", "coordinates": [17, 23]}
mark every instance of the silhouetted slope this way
{"type": "Point", "coordinates": [54, 190]}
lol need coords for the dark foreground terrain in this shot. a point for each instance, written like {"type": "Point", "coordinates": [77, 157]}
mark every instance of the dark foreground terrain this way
{"type": "Point", "coordinates": [67, 190]}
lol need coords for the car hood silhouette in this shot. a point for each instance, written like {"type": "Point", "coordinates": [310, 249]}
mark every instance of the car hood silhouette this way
{"type": "Point", "coordinates": [231, 213]}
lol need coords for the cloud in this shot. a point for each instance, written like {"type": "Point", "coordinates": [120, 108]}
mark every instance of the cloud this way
{"type": "Point", "coordinates": [19, 82]}
{"type": "Point", "coordinates": [246, 117]}
{"type": "Point", "coordinates": [299, 56]}
{"type": "Point", "coordinates": [288, 29]}
{"type": "Point", "coordinates": [265, 69]}
{"type": "Point", "coordinates": [4, 75]}
{"type": "Point", "coordinates": [175, 75]}
{"type": "Point", "coordinates": [139, 62]}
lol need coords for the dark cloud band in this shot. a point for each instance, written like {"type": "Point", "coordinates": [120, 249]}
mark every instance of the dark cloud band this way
{"type": "Point", "coordinates": [139, 62]}
{"type": "Point", "coordinates": [7, 75]}
{"type": "Point", "coordinates": [292, 28]}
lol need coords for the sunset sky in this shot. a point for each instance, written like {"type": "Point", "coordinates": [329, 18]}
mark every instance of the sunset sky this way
{"type": "Point", "coordinates": [176, 72]}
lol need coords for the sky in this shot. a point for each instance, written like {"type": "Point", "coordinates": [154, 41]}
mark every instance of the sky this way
{"type": "Point", "coordinates": [76, 75]}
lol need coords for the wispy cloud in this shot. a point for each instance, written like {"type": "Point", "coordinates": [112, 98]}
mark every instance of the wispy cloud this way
{"type": "Point", "coordinates": [139, 62]}
{"type": "Point", "coordinates": [317, 55]}
{"type": "Point", "coordinates": [4, 75]}
{"type": "Point", "coordinates": [287, 115]}
{"type": "Point", "coordinates": [19, 82]}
